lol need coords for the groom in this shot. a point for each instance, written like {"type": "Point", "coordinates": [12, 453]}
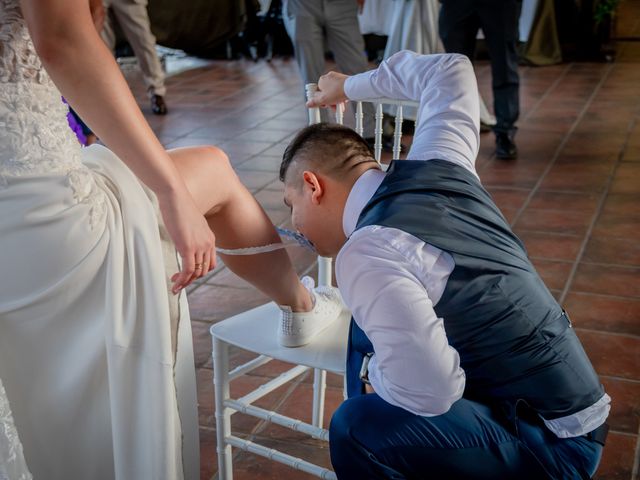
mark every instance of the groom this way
{"type": "Point", "coordinates": [472, 368]}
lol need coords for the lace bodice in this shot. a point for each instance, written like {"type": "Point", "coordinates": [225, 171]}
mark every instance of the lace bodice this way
{"type": "Point", "coordinates": [18, 59]}
{"type": "Point", "coordinates": [34, 134]}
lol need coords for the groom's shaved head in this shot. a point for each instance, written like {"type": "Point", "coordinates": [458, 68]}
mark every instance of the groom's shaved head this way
{"type": "Point", "coordinates": [331, 149]}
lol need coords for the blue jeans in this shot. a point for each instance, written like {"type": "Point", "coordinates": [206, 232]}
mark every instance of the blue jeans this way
{"type": "Point", "coordinates": [371, 439]}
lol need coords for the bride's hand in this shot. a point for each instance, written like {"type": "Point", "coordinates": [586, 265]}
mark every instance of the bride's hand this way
{"type": "Point", "coordinates": [192, 237]}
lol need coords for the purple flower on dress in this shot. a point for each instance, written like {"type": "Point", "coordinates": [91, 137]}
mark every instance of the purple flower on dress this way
{"type": "Point", "coordinates": [75, 126]}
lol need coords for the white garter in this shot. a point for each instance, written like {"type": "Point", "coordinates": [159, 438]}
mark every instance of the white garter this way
{"type": "Point", "coordinates": [289, 239]}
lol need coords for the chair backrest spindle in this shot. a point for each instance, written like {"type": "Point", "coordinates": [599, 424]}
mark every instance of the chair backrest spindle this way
{"type": "Point", "coordinates": [397, 133]}
{"type": "Point", "coordinates": [359, 119]}
{"type": "Point", "coordinates": [340, 114]}
{"type": "Point", "coordinates": [377, 148]}
{"type": "Point", "coordinates": [314, 113]}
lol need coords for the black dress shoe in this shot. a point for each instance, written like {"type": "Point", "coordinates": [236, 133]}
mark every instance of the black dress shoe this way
{"type": "Point", "coordinates": [158, 106]}
{"type": "Point", "coordinates": [505, 148]}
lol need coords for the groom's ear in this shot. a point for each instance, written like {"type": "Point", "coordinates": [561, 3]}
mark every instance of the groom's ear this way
{"type": "Point", "coordinates": [313, 185]}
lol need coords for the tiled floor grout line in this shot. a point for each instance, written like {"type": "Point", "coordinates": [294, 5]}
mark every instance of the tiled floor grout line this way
{"type": "Point", "coordinates": [240, 132]}
{"type": "Point", "coordinates": [601, 202]}
{"type": "Point", "coordinates": [546, 232]}
{"type": "Point", "coordinates": [626, 434]}
{"type": "Point", "coordinates": [608, 333]}
{"type": "Point", "coordinates": [560, 147]}
{"type": "Point", "coordinates": [201, 321]}
{"type": "Point", "coordinates": [605, 295]}
{"type": "Point", "coordinates": [232, 287]}
{"type": "Point", "coordinates": [237, 94]}
{"type": "Point", "coordinates": [550, 89]}
{"type": "Point", "coordinates": [572, 192]}
{"type": "Point", "coordinates": [206, 69]}
{"type": "Point", "coordinates": [618, 265]}
{"type": "Point", "coordinates": [547, 259]}
{"type": "Point", "coordinates": [502, 187]}
{"type": "Point", "coordinates": [622, 379]}
{"type": "Point", "coordinates": [535, 106]}
{"type": "Point", "coordinates": [263, 424]}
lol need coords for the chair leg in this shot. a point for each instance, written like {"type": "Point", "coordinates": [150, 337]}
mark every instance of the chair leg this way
{"type": "Point", "coordinates": [319, 387]}
{"type": "Point", "coordinates": [223, 414]}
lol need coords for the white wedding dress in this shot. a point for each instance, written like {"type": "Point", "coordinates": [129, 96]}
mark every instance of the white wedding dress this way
{"type": "Point", "coordinates": [97, 377]}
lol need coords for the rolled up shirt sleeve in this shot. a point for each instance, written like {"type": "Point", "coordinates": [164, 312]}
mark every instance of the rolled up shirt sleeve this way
{"type": "Point", "coordinates": [413, 367]}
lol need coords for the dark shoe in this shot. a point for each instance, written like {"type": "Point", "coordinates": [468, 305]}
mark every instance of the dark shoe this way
{"type": "Point", "coordinates": [485, 127]}
{"type": "Point", "coordinates": [158, 106]}
{"type": "Point", "coordinates": [387, 144]}
{"type": "Point", "coordinates": [505, 148]}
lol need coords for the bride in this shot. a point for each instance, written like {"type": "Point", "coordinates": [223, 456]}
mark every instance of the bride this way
{"type": "Point", "coordinates": [96, 361]}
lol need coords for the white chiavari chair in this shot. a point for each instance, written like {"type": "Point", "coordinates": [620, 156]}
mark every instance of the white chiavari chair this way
{"type": "Point", "coordinates": [255, 330]}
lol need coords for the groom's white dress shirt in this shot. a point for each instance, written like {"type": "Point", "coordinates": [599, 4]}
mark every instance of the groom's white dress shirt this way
{"type": "Point", "coordinates": [392, 280]}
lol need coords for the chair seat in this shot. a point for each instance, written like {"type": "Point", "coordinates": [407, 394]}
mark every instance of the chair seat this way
{"type": "Point", "coordinates": [256, 330]}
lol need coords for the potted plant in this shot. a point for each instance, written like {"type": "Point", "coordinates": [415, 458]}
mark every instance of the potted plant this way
{"type": "Point", "coordinates": [604, 15]}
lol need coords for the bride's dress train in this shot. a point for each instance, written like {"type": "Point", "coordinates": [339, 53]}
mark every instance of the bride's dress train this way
{"type": "Point", "coordinates": [12, 463]}
{"type": "Point", "coordinates": [95, 354]}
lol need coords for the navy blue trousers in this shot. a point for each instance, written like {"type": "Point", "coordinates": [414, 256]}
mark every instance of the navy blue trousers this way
{"type": "Point", "coordinates": [371, 439]}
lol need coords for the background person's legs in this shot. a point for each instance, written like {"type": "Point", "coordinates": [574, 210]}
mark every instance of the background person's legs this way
{"type": "Point", "coordinates": [303, 20]}
{"type": "Point", "coordinates": [499, 21]}
{"type": "Point", "coordinates": [133, 18]}
{"type": "Point", "coordinates": [108, 33]}
{"type": "Point", "coordinates": [345, 41]}
{"type": "Point", "coordinates": [458, 25]}
{"type": "Point", "coordinates": [370, 438]}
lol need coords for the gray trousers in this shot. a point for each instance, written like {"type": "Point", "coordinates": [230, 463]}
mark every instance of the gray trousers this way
{"type": "Point", "coordinates": [309, 23]}
{"type": "Point", "coordinates": [133, 18]}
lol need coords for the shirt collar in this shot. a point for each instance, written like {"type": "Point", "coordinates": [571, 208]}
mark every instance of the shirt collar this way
{"type": "Point", "coordinates": [361, 192]}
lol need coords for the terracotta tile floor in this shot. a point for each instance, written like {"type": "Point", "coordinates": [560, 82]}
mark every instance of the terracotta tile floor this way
{"type": "Point", "coordinates": [573, 196]}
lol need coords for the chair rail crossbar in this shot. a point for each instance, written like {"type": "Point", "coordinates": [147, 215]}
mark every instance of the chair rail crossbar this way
{"type": "Point", "coordinates": [249, 366]}
{"type": "Point", "coordinates": [277, 456]}
{"type": "Point", "coordinates": [282, 420]}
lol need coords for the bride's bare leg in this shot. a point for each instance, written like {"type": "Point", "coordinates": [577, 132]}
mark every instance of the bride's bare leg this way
{"type": "Point", "coordinates": [238, 221]}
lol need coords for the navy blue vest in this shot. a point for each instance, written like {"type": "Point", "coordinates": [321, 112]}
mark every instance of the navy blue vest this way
{"type": "Point", "coordinates": [515, 342]}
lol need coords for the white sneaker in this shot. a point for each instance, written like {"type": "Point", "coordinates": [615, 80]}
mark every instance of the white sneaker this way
{"type": "Point", "coordinates": [299, 328]}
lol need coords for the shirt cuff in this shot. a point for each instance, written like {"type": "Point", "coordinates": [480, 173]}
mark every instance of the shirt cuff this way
{"type": "Point", "coordinates": [359, 87]}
